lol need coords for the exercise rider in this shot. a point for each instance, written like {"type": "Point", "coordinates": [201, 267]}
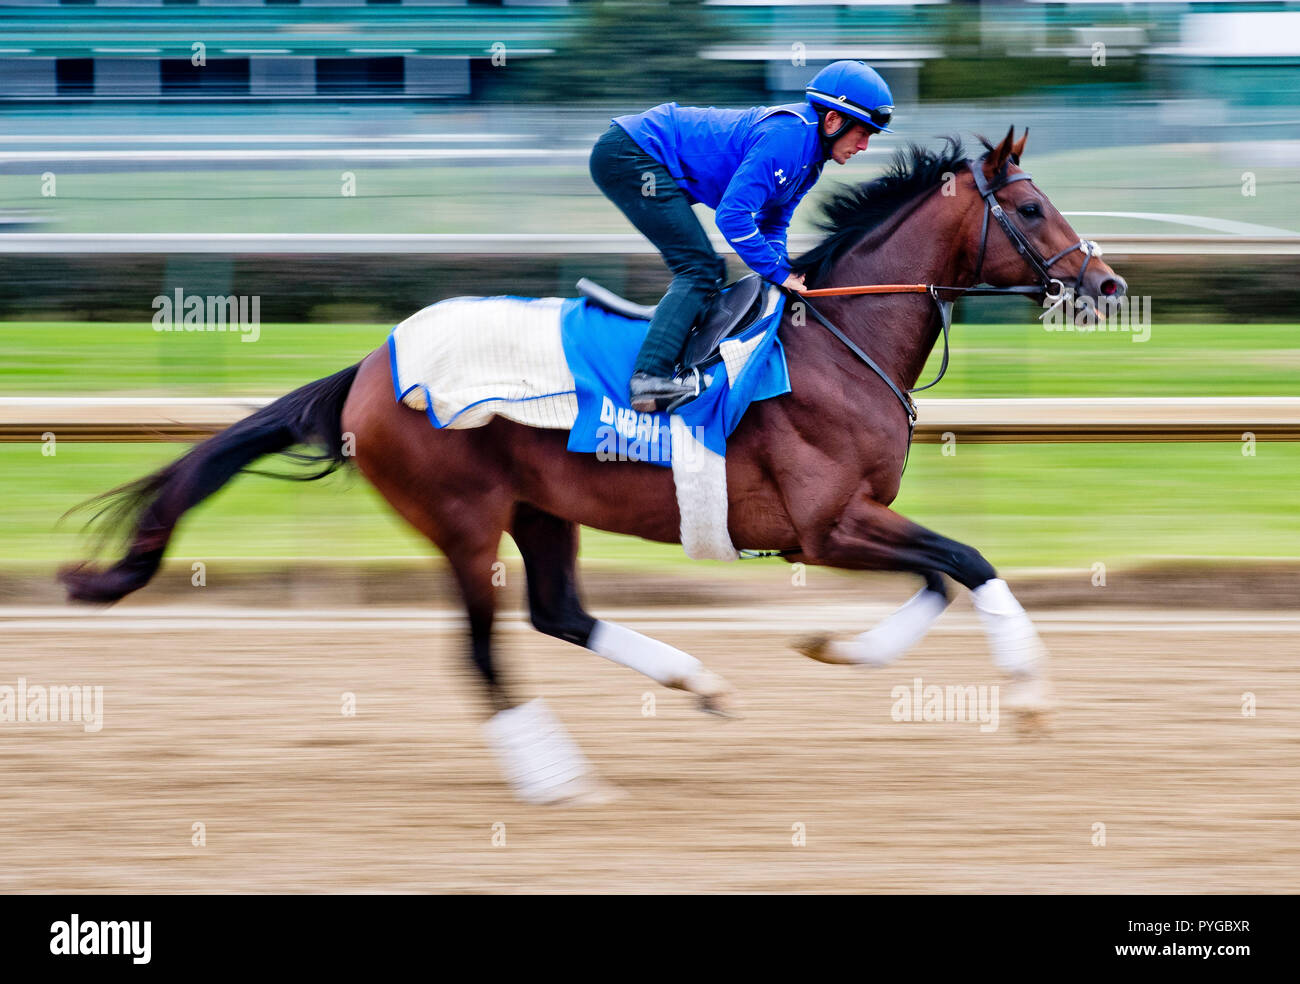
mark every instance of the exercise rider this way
{"type": "Point", "coordinates": [752, 166]}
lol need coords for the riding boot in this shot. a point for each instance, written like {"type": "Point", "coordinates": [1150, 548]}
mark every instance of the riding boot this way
{"type": "Point", "coordinates": [654, 386]}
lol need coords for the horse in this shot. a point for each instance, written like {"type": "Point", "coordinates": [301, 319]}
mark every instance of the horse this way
{"type": "Point", "coordinates": [811, 473]}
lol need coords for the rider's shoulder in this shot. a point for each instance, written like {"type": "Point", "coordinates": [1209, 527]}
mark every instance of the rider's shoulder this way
{"type": "Point", "coordinates": [785, 131]}
{"type": "Point", "coordinates": [794, 116]}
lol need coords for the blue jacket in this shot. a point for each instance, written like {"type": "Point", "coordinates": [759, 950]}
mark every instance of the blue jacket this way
{"type": "Point", "coordinates": [752, 166]}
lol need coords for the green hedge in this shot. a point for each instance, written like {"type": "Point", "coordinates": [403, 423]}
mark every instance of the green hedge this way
{"type": "Point", "coordinates": [1228, 289]}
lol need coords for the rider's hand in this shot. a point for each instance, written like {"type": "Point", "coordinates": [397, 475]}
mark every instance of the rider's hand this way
{"type": "Point", "coordinates": [795, 283]}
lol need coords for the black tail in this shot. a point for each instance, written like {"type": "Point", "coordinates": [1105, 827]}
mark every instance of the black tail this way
{"type": "Point", "coordinates": [152, 506]}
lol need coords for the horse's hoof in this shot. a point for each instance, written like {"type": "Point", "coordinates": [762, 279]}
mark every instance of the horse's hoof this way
{"type": "Point", "coordinates": [1030, 700]}
{"type": "Point", "coordinates": [1033, 724]}
{"type": "Point", "coordinates": [816, 647]}
{"type": "Point", "coordinates": [592, 792]}
{"type": "Point", "coordinates": [839, 652]}
{"type": "Point", "coordinates": [716, 695]}
{"type": "Point", "coordinates": [1029, 692]}
{"type": "Point", "coordinates": [723, 707]}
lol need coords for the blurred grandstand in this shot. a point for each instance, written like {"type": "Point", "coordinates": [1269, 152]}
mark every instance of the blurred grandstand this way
{"type": "Point", "coordinates": [183, 50]}
{"type": "Point", "coordinates": [233, 117]}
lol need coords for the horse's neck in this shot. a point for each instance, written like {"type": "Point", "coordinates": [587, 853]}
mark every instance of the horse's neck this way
{"type": "Point", "coordinates": [899, 330]}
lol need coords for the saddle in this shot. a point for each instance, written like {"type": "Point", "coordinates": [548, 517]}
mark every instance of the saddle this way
{"type": "Point", "coordinates": [733, 310]}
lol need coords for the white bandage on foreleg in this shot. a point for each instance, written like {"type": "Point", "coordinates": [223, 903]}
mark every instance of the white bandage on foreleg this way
{"type": "Point", "coordinates": [1012, 636]}
{"type": "Point", "coordinates": [657, 660]}
{"type": "Point", "coordinates": [893, 635]}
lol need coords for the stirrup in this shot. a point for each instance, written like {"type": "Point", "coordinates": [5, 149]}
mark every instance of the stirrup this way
{"type": "Point", "coordinates": [693, 374]}
{"type": "Point", "coordinates": [662, 402]}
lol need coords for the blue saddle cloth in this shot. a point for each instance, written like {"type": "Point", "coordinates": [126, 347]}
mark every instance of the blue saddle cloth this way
{"type": "Point", "coordinates": [601, 350]}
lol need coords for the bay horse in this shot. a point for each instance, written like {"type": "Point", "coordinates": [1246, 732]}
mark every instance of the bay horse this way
{"type": "Point", "coordinates": [811, 473]}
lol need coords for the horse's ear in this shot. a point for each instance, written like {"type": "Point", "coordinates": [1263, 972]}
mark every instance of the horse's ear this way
{"type": "Point", "coordinates": [1018, 149]}
{"type": "Point", "coordinates": [996, 161]}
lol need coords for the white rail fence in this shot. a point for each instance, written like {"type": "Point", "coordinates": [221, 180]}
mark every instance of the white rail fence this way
{"type": "Point", "coordinates": [528, 244]}
{"type": "Point", "coordinates": [982, 421]}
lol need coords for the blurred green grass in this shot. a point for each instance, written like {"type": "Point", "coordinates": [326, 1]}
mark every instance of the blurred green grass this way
{"type": "Point", "coordinates": [128, 359]}
{"type": "Point", "coordinates": [1037, 505]}
{"type": "Point", "coordinates": [988, 360]}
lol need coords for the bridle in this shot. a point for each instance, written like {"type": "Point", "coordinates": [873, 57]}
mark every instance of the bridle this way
{"type": "Point", "coordinates": [1028, 251]}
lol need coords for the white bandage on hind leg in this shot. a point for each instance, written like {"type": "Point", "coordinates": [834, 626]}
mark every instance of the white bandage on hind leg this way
{"type": "Point", "coordinates": [657, 660]}
{"type": "Point", "coordinates": [540, 761]}
{"type": "Point", "coordinates": [893, 635]}
{"type": "Point", "coordinates": [1012, 636]}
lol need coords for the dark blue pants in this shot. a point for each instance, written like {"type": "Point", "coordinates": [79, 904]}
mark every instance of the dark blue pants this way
{"type": "Point", "coordinates": [646, 193]}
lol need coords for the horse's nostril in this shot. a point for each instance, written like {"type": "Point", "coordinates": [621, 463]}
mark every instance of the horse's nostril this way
{"type": "Point", "coordinates": [1113, 287]}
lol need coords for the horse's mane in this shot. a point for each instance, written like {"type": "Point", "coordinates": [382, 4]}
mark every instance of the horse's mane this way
{"type": "Point", "coordinates": [853, 212]}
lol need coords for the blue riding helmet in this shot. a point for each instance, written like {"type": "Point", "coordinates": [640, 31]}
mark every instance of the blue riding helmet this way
{"type": "Point", "coordinates": [854, 89]}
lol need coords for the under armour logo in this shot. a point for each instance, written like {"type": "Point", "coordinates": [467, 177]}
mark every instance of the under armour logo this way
{"type": "Point", "coordinates": [780, 175]}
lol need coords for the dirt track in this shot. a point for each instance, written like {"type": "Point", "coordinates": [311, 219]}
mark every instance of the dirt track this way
{"type": "Point", "coordinates": [235, 722]}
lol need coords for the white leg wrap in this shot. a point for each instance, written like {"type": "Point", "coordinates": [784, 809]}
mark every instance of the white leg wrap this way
{"type": "Point", "coordinates": [893, 635]}
{"type": "Point", "coordinates": [1012, 636]}
{"type": "Point", "coordinates": [657, 660]}
{"type": "Point", "coordinates": [539, 759]}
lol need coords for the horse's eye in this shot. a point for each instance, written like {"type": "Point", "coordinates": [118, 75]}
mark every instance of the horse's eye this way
{"type": "Point", "coordinates": [1030, 210]}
